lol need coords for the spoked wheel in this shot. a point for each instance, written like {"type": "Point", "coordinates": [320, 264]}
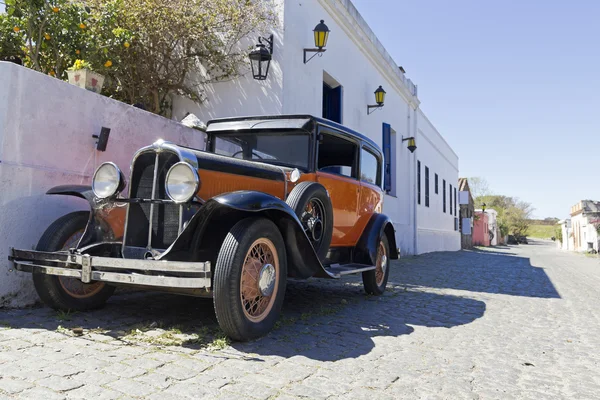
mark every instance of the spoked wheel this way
{"type": "Point", "coordinates": [312, 205]}
{"type": "Point", "coordinates": [313, 219]}
{"type": "Point", "coordinates": [375, 281]}
{"type": "Point", "coordinates": [74, 287]}
{"type": "Point", "coordinates": [64, 293]}
{"type": "Point", "coordinates": [260, 278]}
{"type": "Point", "coordinates": [250, 279]}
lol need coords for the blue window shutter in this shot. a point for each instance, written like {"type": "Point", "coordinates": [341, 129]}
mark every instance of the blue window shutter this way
{"type": "Point", "coordinates": [387, 156]}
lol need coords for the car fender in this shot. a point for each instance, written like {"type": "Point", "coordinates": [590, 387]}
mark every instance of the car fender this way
{"type": "Point", "coordinates": [366, 248]}
{"type": "Point", "coordinates": [221, 212]}
{"type": "Point", "coordinates": [99, 227]}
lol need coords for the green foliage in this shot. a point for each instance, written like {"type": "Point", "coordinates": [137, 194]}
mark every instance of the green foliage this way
{"type": "Point", "coordinates": [80, 64]}
{"type": "Point", "coordinates": [148, 50]}
{"type": "Point", "coordinates": [558, 233]}
{"type": "Point", "coordinates": [12, 40]}
{"type": "Point", "coordinates": [49, 32]}
{"type": "Point", "coordinates": [151, 50]}
{"type": "Point", "coordinates": [541, 231]}
{"type": "Point", "coordinates": [513, 214]}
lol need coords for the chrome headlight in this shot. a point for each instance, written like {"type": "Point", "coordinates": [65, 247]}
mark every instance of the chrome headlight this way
{"type": "Point", "coordinates": [182, 182]}
{"type": "Point", "coordinates": [108, 180]}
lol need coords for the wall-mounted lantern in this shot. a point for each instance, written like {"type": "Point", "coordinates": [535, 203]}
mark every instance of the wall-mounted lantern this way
{"type": "Point", "coordinates": [260, 58]}
{"type": "Point", "coordinates": [411, 143]}
{"type": "Point", "coordinates": [379, 99]}
{"type": "Point", "coordinates": [483, 206]}
{"type": "Point", "coordinates": [321, 32]}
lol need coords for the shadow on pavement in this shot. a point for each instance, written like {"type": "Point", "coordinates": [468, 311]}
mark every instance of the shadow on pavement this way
{"type": "Point", "coordinates": [321, 320]}
{"type": "Point", "coordinates": [488, 271]}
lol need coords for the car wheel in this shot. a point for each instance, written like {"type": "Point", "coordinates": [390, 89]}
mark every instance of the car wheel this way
{"type": "Point", "coordinates": [312, 205]}
{"type": "Point", "coordinates": [375, 280]}
{"type": "Point", "coordinates": [61, 292]}
{"type": "Point", "coordinates": [249, 279]}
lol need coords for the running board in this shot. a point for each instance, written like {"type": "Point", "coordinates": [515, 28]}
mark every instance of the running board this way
{"type": "Point", "coordinates": [339, 270]}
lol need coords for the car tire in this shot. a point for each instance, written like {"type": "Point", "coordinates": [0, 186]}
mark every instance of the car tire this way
{"type": "Point", "coordinates": [315, 196]}
{"type": "Point", "coordinates": [249, 279]}
{"type": "Point", "coordinates": [63, 293]}
{"type": "Point", "coordinates": [375, 280]}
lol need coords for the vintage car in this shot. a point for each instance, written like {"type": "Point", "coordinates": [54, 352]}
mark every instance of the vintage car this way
{"type": "Point", "coordinates": [271, 198]}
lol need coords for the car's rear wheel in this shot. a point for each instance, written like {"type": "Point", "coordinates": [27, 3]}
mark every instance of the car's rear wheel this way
{"type": "Point", "coordinates": [312, 205]}
{"type": "Point", "coordinates": [64, 293]}
{"type": "Point", "coordinates": [250, 278]}
{"type": "Point", "coordinates": [375, 280]}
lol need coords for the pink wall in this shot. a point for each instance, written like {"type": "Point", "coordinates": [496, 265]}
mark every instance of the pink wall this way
{"type": "Point", "coordinates": [481, 235]}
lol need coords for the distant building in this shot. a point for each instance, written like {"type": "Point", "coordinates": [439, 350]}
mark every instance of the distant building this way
{"type": "Point", "coordinates": [481, 230]}
{"type": "Point", "coordinates": [467, 208]}
{"type": "Point", "coordinates": [567, 242]}
{"type": "Point", "coordinates": [585, 218]}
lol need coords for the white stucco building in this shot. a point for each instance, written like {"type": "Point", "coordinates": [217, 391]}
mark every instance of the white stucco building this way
{"type": "Point", "coordinates": [422, 199]}
{"type": "Point", "coordinates": [584, 216]}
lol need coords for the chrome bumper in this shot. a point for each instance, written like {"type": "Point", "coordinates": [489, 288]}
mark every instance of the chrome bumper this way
{"type": "Point", "coordinates": [174, 274]}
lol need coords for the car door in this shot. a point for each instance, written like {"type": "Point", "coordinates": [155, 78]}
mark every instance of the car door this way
{"type": "Point", "coordinates": [337, 171]}
{"type": "Point", "coordinates": [371, 194]}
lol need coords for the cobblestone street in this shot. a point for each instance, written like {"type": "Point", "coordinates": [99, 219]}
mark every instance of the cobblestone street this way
{"type": "Point", "coordinates": [510, 322]}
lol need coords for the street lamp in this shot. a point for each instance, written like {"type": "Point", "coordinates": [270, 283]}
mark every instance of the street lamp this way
{"type": "Point", "coordinates": [260, 58]}
{"type": "Point", "coordinates": [321, 33]}
{"type": "Point", "coordinates": [411, 143]}
{"type": "Point", "coordinates": [379, 99]}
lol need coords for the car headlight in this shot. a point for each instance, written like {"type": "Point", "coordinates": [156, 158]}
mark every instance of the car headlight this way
{"type": "Point", "coordinates": [108, 180]}
{"type": "Point", "coordinates": [182, 182]}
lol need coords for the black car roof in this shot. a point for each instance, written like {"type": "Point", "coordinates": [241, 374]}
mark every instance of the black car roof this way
{"type": "Point", "coordinates": [292, 121]}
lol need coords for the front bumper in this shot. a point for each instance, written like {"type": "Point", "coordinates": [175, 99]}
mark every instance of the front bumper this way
{"type": "Point", "coordinates": [172, 274]}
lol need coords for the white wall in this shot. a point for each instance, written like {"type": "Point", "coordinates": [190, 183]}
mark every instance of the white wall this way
{"type": "Point", "coordinates": [46, 128]}
{"type": "Point", "coordinates": [436, 227]}
{"type": "Point", "coordinates": [243, 96]}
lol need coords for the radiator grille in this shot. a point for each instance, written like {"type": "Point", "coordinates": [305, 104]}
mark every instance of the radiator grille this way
{"type": "Point", "coordinates": [164, 217]}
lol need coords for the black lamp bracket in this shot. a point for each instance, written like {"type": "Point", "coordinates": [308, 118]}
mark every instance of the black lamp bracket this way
{"type": "Point", "coordinates": [373, 108]}
{"type": "Point", "coordinates": [317, 51]}
{"type": "Point", "coordinates": [408, 138]}
{"type": "Point", "coordinates": [269, 41]}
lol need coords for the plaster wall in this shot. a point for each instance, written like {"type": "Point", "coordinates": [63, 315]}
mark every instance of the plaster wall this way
{"type": "Point", "coordinates": [436, 227]}
{"type": "Point", "coordinates": [46, 128]}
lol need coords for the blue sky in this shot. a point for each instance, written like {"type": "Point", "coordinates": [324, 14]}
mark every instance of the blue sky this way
{"type": "Point", "coordinates": [513, 86]}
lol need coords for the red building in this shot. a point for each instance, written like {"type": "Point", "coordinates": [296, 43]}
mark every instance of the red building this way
{"type": "Point", "coordinates": [481, 230]}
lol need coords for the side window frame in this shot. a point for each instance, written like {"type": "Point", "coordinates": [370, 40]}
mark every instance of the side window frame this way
{"type": "Point", "coordinates": [326, 130]}
{"type": "Point", "coordinates": [379, 157]}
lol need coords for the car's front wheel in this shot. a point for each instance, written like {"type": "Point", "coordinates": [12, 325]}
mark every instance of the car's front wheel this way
{"type": "Point", "coordinates": [250, 279]}
{"type": "Point", "coordinates": [61, 292]}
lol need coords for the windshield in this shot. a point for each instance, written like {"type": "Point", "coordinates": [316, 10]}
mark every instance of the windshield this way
{"type": "Point", "coordinates": [289, 149]}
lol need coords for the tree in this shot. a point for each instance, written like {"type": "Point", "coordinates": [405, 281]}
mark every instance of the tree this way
{"type": "Point", "coordinates": [153, 49]}
{"type": "Point", "coordinates": [51, 32]}
{"type": "Point", "coordinates": [479, 187]}
{"type": "Point", "coordinates": [11, 37]}
{"type": "Point", "coordinates": [513, 214]}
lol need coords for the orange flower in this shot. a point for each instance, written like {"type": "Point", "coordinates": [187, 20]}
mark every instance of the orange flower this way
{"type": "Point", "coordinates": [55, 9]}
{"type": "Point", "coordinates": [46, 36]}
{"type": "Point", "coordinates": [16, 29]}
{"type": "Point", "coordinates": [82, 25]}
{"type": "Point", "coordinates": [108, 64]}
{"type": "Point", "coordinates": [126, 44]}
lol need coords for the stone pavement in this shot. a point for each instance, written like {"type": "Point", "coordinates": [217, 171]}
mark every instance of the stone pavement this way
{"type": "Point", "coordinates": [511, 322]}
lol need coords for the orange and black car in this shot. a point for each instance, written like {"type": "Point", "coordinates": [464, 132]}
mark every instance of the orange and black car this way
{"type": "Point", "coordinates": [269, 198]}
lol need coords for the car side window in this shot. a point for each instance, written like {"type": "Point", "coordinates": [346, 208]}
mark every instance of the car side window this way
{"type": "Point", "coordinates": [369, 168]}
{"type": "Point", "coordinates": [337, 156]}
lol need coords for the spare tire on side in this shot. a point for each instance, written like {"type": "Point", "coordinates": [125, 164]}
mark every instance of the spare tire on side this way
{"type": "Point", "coordinates": [311, 203]}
